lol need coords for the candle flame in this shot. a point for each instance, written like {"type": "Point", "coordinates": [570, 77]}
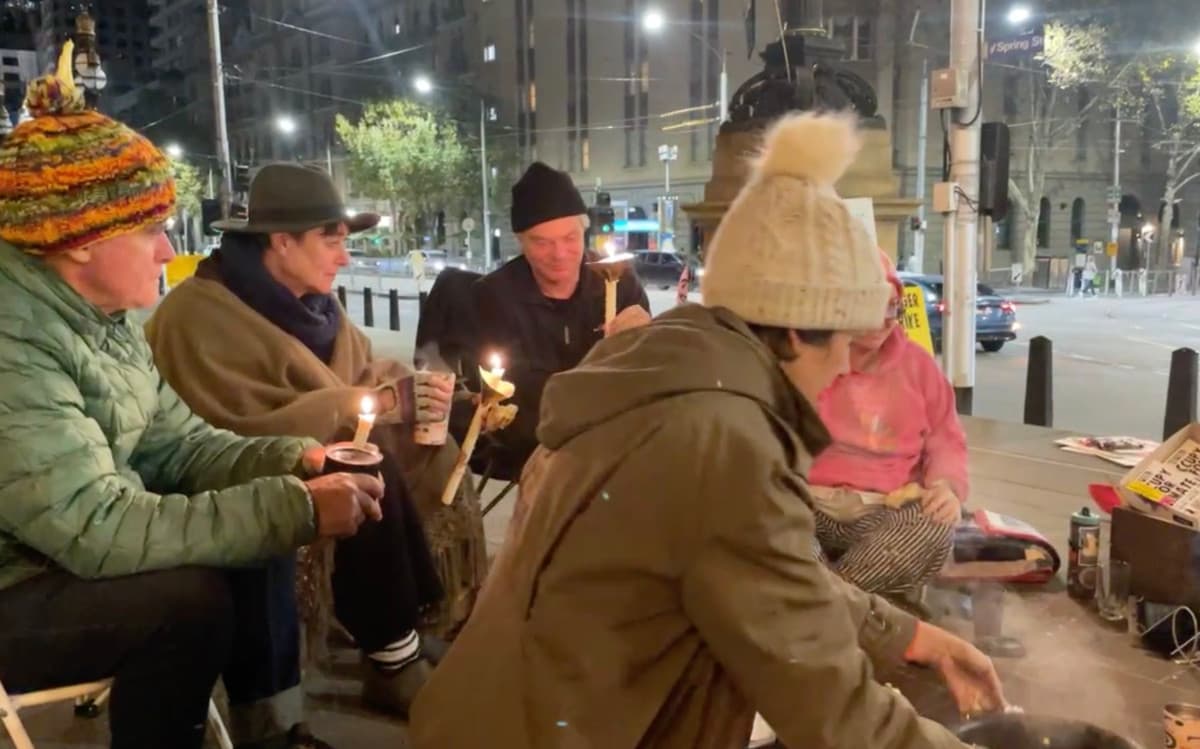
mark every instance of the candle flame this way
{"type": "Point", "coordinates": [610, 248]}
{"type": "Point", "coordinates": [496, 362]}
{"type": "Point", "coordinates": [367, 405]}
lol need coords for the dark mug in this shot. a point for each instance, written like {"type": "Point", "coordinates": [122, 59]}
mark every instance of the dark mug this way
{"type": "Point", "coordinates": [346, 457]}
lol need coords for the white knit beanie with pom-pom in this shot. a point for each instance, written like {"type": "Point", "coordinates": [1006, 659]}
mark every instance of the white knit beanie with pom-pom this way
{"type": "Point", "coordinates": [787, 253]}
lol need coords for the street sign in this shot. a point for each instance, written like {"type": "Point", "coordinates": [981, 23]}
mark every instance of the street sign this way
{"type": "Point", "coordinates": [916, 318]}
{"type": "Point", "coordinates": [1017, 47]}
{"type": "Point", "coordinates": [468, 225]}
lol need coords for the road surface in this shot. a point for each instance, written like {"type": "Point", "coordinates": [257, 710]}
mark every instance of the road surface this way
{"type": "Point", "coordinates": [1111, 357]}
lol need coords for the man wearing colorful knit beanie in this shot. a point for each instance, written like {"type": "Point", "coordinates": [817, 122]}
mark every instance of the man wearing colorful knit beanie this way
{"type": "Point", "coordinates": [137, 542]}
{"type": "Point", "coordinates": [660, 581]}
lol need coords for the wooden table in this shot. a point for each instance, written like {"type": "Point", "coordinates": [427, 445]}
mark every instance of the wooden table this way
{"type": "Point", "coordinates": [1018, 470]}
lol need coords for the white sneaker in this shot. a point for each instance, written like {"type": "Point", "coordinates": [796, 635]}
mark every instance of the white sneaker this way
{"type": "Point", "coordinates": [762, 734]}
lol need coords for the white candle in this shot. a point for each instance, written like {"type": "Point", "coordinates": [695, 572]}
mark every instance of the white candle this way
{"type": "Point", "coordinates": [366, 420]}
{"type": "Point", "coordinates": [497, 369]}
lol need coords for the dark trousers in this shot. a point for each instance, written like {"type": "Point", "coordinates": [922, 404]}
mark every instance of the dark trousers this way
{"type": "Point", "coordinates": [383, 576]}
{"type": "Point", "coordinates": [164, 637]}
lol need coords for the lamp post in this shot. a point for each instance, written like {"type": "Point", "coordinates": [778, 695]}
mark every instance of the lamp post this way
{"type": "Point", "coordinates": [666, 206]}
{"type": "Point", "coordinates": [654, 22]}
{"type": "Point", "coordinates": [423, 85]}
{"type": "Point", "coordinates": [88, 70]}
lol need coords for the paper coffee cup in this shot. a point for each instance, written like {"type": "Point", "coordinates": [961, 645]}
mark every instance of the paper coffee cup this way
{"type": "Point", "coordinates": [435, 432]}
{"type": "Point", "coordinates": [1181, 722]}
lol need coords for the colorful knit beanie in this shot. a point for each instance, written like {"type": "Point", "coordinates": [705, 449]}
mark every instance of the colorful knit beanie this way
{"type": "Point", "coordinates": [71, 177]}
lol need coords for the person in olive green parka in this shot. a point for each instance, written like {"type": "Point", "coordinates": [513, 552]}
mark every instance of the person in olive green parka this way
{"type": "Point", "coordinates": [121, 512]}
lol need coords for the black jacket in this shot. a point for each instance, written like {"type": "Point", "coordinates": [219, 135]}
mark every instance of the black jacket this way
{"type": "Point", "coordinates": [538, 337]}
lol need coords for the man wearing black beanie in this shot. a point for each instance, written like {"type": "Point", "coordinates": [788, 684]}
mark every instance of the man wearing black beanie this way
{"type": "Point", "coordinates": [543, 311]}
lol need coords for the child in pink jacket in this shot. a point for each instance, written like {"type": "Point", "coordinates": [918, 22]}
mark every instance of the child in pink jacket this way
{"type": "Point", "coordinates": [896, 438]}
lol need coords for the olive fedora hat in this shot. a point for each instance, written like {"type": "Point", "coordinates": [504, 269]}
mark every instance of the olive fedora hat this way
{"type": "Point", "coordinates": [294, 198]}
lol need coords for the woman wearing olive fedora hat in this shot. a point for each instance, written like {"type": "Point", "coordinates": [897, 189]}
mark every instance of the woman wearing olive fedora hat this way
{"type": "Point", "coordinates": [256, 343]}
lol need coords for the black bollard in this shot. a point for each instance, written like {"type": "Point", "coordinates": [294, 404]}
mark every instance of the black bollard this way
{"type": "Point", "coordinates": [368, 309]}
{"type": "Point", "coordinates": [421, 297]}
{"type": "Point", "coordinates": [1039, 383]}
{"type": "Point", "coordinates": [394, 309]}
{"type": "Point", "coordinates": [1181, 391]}
{"type": "Point", "coordinates": [342, 296]}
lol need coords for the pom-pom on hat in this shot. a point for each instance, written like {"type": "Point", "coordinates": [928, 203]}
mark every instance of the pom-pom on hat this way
{"type": "Point", "coordinates": [788, 253]}
{"type": "Point", "coordinates": [71, 177]}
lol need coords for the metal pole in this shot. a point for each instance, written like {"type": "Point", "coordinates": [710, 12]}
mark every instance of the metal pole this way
{"type": "Point", "coordinates": [965, 21]}
{"type": "Point", "coordinates": [724, 86]}
{"type": "Point", "coordinates": [917, 262]}
{"type": "Point", "coordinates": [329, 159]}
{"type": "Point", "coordinates": [1114, 217]}
{"type": "Point", "coordinates": [218, 84]}
{"type": "Point", "coordinates": [483, 171]}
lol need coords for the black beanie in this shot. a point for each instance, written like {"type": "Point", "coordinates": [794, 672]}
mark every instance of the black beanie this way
{"type": "Point", "coordinates": [544, 194]}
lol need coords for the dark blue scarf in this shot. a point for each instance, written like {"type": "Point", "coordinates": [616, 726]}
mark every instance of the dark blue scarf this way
{"type": "Point", "coordinates": [313, 319]}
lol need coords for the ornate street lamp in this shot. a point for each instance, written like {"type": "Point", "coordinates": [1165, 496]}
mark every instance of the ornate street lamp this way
{"type": "Point", "coordinates": [88, 71]}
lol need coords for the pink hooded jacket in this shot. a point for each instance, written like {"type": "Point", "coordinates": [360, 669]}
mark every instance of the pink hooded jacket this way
{"type": "Point", "coordinates": [892, 425]}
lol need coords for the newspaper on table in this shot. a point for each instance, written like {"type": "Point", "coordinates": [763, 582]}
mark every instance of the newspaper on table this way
{"type": "Point", "coordinates": [1123, 451]}
{"type": "Point", "coordinates": [1173, 482]}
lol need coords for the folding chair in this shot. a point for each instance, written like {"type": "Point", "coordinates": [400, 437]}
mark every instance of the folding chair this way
{"type": "Point", "coordinates": [90, 694]}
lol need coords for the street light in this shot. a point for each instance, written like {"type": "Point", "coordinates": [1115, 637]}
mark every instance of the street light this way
{"type": "Point", "coordinates": [423, 84]}
{"type": "Point", "coordinates": [286, 124]}
{"type": "Point", "coordinates": [174, 150]}
{"type": "Point", "coordinates": [1019, 14]}
{"type": "Point", "coordinates": [653, 21]}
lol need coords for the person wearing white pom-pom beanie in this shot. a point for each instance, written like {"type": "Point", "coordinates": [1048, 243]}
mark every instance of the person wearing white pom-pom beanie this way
{"type": "Point", "coordinates": [660, 581]}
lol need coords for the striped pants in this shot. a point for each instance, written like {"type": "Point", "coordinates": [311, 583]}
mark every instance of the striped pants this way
{"type": "Point", "coordinates": [889, 552]}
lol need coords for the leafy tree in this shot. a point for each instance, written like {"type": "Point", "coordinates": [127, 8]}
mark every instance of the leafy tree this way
{"type": "Point", "coordinates": [1162, 89]}
{"type": "Point", "coordinates": [1074, 56]}
{"type": "Point", "coordinates": [409, 155]}
{"type": "Point", "coordinates": [188, 187]}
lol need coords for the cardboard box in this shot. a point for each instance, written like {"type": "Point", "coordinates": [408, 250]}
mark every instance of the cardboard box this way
{"type": "Point", "coordinates": [1188, 518]}
{"type": "Point", "coordinates": [1163, 557]}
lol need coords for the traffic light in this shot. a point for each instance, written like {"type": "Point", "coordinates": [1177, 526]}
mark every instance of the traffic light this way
{"type": "Point", "coordinates": [241, 178]}
{"type": "Point", "coordinates": [605, 218]}
{"type": "Point", "coordinates": [210, 211]}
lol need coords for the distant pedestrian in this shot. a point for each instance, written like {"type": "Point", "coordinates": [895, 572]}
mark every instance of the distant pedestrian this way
{"type": "Point", "coordinates": [1089, 277]}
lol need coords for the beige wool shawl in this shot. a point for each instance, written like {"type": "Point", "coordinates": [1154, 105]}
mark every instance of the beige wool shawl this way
{"type": "Point", "coordinates": [241, 372]}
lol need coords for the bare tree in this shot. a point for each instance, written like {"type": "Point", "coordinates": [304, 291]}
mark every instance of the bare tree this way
{"type": "Point", "coordinates": [1074, 56]}
{"type": "Point", "coordinates": [1164, 88]}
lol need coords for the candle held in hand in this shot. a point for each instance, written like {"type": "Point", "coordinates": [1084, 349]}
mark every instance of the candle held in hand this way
{"type": "Point", "coordinates": [497, 368]}
{"type": "Point", "coordinates": [366, 420]}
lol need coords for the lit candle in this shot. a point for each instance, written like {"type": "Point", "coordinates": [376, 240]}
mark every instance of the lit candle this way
{"type": "Point", "coordinates": [497, 369]}
{"type": "Point", "coordinates": [366, 420]}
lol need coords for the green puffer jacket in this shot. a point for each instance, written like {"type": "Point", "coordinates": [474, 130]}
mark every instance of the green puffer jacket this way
{"type": "Point", "coordinates": [104, 471]}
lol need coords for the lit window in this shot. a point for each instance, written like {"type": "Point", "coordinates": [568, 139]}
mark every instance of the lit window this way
{"type": "Point", "coordinates": [492, 114]}
{"type": "Point", "coordinates": [489, 53]}
{"type": "Point", "coordinates": [585, 154]}
{"type": "Point", "coordinates": [532, 96]}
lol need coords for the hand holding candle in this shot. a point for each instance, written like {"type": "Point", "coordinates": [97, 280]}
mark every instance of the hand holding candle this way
{"type": "Point", "coordinates": [366, 421]}
{"type": "Point", "coordinates": [493, 391]}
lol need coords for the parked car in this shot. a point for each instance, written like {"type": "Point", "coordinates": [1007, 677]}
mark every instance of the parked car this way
{"type": "Point", "coordinates": [661, 270]}
{"type": "Point", "coordinates": [995, 317]}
